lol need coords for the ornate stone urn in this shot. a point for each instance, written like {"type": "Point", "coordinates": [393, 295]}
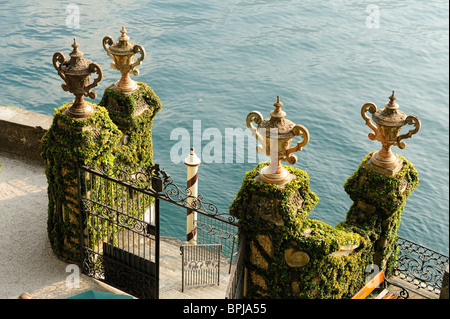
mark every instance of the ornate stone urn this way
{"type": "Point", "coordinates": [123, 54]}
{"type": "Point", "coordinates": [275, 135]}
{"type": "Point", "coordinates": [76, 74]}
{"type": "Point", "coordinates": [389, 122]}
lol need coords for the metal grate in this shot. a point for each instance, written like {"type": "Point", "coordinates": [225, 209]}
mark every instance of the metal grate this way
{"type": "Point", "coordinates": [200, 265]}
{"type": "Point", "coordinates": [420, 265]}
{"type": "Point", "coordinates": [215, 230]}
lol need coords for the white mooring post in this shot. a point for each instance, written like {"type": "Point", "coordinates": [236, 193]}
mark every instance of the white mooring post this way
{"type": "Point", "coordinates": [192, 162]}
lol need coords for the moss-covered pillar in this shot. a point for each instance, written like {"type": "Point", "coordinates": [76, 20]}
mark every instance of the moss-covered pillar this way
{"type": "Point", "coordinates": [81, 132]}
{"type": "Point", "coordinates": [289, 255]}
{"type": "Point", "coordinates": [379, 197]}
{"type": "Point", "coordinates": [133, 114]}
{"type": "Point", "coordinates": [90, 140]}
{"type": "Point", "coordinates": [272, 215]}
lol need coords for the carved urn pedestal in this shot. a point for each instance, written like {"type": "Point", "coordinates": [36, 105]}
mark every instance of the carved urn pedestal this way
{"type": "Point", "coordinates": [70, 140]}
{"type": "Point", "coordinates": [81, 132]}
{"type": "Point", "coordinates": [383, 182]}
{"type": "Point", "coordinates": [133, 114]}
{"type": "Point", "coordinates": [271, 216]}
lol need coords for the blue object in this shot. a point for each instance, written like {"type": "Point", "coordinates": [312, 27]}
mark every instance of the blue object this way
{"type": "Point", "coordinates": [93, 294]}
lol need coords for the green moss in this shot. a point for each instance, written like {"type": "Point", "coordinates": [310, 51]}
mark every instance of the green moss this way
{"type": "Point", "coordinates": [254, 188]}
{"type": "Point", "coordinates": [378, 203]}
{"type": "Point", "coordinates": [91, 141]}
{"type": "Point", "coordinates": [133, 114]}
{"type": "Point", "coordinates": [118, 135]}
{"type": "Point", "coordinates": [387, 193]}
{"type": "Point", "coordinates": [324, 276]}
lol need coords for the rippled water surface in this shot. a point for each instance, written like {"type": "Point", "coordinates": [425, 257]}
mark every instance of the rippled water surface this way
{"type": "Point", "coordinates": [216, 61]}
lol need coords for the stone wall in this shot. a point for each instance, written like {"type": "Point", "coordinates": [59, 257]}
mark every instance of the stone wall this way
{"type": "Point", "coordinates": [21, 132]}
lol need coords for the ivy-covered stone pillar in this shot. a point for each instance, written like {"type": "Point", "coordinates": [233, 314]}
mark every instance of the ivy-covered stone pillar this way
{"type": "Point", "coordinates": [133, 114]}
{"type": "Point", "coordinates": [81, 132]}
{"type": "Point", "coordinates": [379, 198]}
{"type": "Point", "coordinates": [271, 215]}
{"type": "Point", "coordinates": [131, 105]}
{"type": "Point", "coordinates": [289, 255]}
{"type": "Point", "coordinates": [90, 140]}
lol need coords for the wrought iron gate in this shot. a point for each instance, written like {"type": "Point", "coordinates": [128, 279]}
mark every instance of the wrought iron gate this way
{"type": "Point", "coordinates": [120, 230]}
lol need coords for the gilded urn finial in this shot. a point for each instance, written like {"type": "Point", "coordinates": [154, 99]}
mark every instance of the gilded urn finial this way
{"type": "Point", "coordinates": [123, 54]}
{"type": "Point", "coordinates": [123, 37]}
{"type": "Point", "coordinates": [275, 135]}
{"type": "Point", "coordinates": [389, 122]}
{"type": "Point", "coordinates": [76, 74]}
{"type": "Point", "coordinates": [391, 103]}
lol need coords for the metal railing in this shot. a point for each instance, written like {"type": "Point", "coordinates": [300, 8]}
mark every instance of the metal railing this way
{"type": "Point", "coordinates": [420, 266]}
{"type": "Point", "coordinates": [218, 230]}
{"type": "Point", "coordinates": [200, 265]}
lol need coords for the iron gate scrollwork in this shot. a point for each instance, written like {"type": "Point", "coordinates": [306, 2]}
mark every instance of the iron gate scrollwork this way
{"type": "Point", "coordinates": [119, 226]}
{"type": "Point", "coordinates": [120, 229]}
{"type": "Point", "coordinates": [420, 265]}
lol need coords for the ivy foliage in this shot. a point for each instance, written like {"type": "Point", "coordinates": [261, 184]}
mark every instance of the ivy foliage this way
{"type": "Point", "coordinates": [378, 203]}
{"type": "Point", "coordinates": [91, 141]}
{"type": "Point", "coordinates": [117, 134]}
{"type": "Point", "coordinates": [324, 276]}
{"type": "Point", "coordinates": [133, 114]}
{"type": "Point", "coordinates": [387, 193]}
{"type": "Point", "coordinates": [275, 219]}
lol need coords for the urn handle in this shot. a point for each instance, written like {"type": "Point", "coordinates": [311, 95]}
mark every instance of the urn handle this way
{"type": "Point", "coordinates": [93, 68]}
{"type": "Point", "coordinates": [59, 57]}
{"type": "Point", "coordinates": [372, 108]}
{"type": "Point", "coordinates": [107, 42]}
{"type": "Point", "coordinates": [257, 118]}
{"type": "Point", "coordinates": [137, 49]}
{"type": "Point", "coordinates": [297, 130]}
{"type": "Point", "coordinates": [411, 120]}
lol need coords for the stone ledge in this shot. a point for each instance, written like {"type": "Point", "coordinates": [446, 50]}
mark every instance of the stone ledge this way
{"type": "Point", "coordinates": [21, 131]}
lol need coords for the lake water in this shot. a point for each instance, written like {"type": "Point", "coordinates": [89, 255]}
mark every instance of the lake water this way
{"type": "Point", "coordinates": [216, 61]}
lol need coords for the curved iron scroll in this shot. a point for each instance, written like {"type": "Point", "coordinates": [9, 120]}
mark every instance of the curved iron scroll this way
{"type": "Point", "coordinates": [158, 183]}
{"type": "Point", "coordinates": [420, 266]}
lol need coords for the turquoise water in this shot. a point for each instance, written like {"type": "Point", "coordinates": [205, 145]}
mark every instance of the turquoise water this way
{"type": "Point", "coordinates": [216, 61]}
